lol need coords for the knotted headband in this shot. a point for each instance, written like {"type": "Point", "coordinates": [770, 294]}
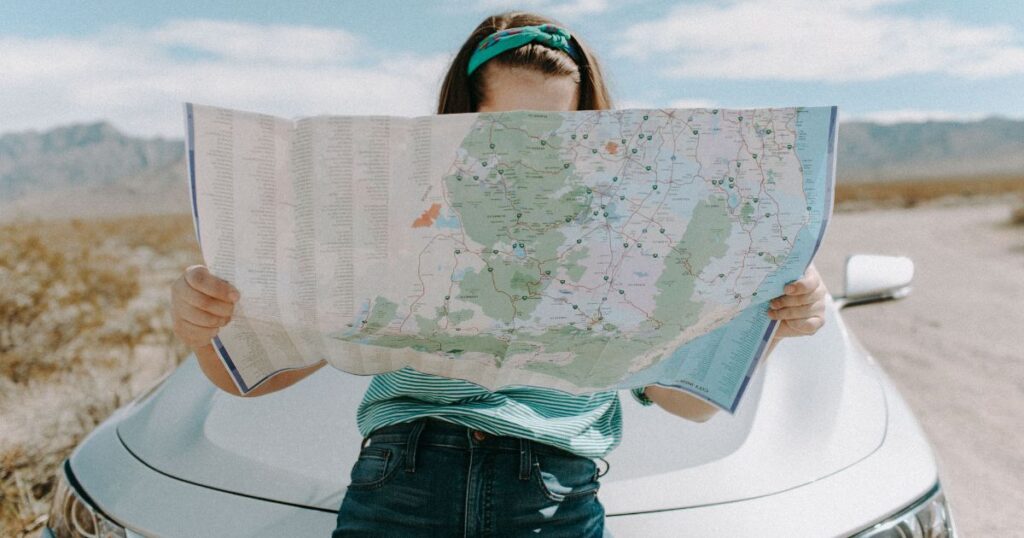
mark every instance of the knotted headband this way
{"type": "Point", "coordinates": [510, 38]}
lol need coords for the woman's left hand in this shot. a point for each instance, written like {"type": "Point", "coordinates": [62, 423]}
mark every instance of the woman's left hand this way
{"type": "Point", "coordinates": [801, 308]}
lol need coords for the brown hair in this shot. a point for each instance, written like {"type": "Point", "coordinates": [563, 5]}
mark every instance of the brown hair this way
{"type": "Point", "coordinates": [464, 93]}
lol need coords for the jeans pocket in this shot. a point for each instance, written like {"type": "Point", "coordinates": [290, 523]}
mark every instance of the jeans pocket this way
{"type": "Point", "coordinates": [375, 466]}
{"type": "Point", "coordinates": [564, 477]}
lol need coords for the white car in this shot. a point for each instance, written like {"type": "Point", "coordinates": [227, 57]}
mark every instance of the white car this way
{"type": "Point", "coordinates": [822, 444]}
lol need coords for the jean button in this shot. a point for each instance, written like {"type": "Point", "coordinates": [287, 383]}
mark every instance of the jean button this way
{"type": "Point", "coordinates": [479, 435]}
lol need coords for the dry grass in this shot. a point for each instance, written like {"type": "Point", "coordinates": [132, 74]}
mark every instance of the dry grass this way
{"type": "Point", "coordinates": [913, 192]}
{"type": "Point", "coordinates": [872, 195]}
{"type": "Point", "coordinates": [84, 327]}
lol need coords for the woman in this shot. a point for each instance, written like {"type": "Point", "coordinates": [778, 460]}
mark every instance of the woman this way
{"type": "Point", "coordinates": [445, 457]}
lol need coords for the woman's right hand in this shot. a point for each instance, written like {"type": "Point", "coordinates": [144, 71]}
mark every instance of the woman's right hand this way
{"type": "Point", "coordinates": [200, 305]}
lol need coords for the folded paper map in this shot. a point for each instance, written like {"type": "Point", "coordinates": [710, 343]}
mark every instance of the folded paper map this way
{"type": "Point", "coordinates": [578, 251]}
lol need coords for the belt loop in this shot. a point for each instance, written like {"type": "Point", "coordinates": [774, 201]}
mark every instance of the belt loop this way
{"type": "Point", "coordinates": [410, 447]}
{"type": "Point", "coordinates": [525, 459]}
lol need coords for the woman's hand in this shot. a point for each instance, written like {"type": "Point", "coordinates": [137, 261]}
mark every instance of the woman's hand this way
{"type": "Point", "coordinates": [801, 309]}
{"type": "Point", "coordinates": [200, 305]}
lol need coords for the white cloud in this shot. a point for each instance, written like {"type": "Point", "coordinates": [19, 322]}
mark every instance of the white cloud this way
{"type": "Point", "coordinates": [271, 42]}
{"type": "Point", "coordinates": [28, 60]}
{"type": "Point", "coordinates": [829, 40]}
{"type": "Point", "coordinates": [138, 79]}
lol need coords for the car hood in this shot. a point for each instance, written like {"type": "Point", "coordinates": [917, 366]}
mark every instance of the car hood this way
{"type": "Point", "coordinates": [815, 407]}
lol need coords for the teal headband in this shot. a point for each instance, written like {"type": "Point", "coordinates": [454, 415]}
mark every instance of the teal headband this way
{"type": "Point", "coordinates": [510, 38]}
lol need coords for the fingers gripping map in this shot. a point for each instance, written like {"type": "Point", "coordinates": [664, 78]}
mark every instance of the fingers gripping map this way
{"type": "Point", "coordinates": [580, 251]}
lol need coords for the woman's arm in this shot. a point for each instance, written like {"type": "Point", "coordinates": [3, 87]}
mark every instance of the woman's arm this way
{"type": "Point", "coordinates": [686, 405]}
{"type": "Point", "coordinates": [800, 312]}
{"type": "Point", "coordinates": [680, 403]}
{"type": "Point", "coordinates": [214, 369]}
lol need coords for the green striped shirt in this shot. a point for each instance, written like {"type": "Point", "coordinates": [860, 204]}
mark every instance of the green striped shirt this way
{"type": "Point", "coordinates": [589, 425]}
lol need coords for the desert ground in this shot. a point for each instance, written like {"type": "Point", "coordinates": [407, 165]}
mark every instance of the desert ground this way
{"type": "Point", "coordinates": [84, 328]}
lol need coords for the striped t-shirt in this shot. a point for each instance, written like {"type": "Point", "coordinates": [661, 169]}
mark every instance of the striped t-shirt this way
{"type": "Point", "coordinates": [589, 425]}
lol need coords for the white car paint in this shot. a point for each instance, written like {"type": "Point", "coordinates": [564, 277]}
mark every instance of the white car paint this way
{"type": "Point", "coordinates": [821, 445]}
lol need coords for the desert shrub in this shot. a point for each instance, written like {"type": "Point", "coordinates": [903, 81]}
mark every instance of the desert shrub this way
{"type": "Point", "coordinates": [50, 294]}
{"type": "Point", "coordinates": [1017, 216]}
{"type": "Point", "coordinates": [84, 327]}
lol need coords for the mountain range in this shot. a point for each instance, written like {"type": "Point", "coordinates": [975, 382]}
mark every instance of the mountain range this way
{"type": "Point", "coordinates": [930, 150]}
{"type": "Point", "coordinates": [94, 169]}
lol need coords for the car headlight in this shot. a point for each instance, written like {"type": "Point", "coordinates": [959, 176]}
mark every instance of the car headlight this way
{"type": "Point", "coordinates": [73, 516]}
{"type": "Point", "coordinates": [927, 517]}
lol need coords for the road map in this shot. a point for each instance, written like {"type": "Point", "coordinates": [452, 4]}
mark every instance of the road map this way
{"type": "Point", "coordinates": [579, 251]}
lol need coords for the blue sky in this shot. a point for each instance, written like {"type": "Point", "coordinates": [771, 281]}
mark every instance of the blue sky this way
{"type": "Point", "coordinates": [133, 63]}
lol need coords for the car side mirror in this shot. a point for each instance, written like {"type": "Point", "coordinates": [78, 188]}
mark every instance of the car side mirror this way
{"type": "Point", "coordinates": [871, 279]}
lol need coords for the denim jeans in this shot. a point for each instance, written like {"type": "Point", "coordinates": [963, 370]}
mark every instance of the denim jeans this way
{"type": "Point", "coordinates": [429, 477]}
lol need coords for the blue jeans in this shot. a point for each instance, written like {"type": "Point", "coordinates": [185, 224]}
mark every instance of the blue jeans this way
{"type": "Point", "coordinates": [433, 478]}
